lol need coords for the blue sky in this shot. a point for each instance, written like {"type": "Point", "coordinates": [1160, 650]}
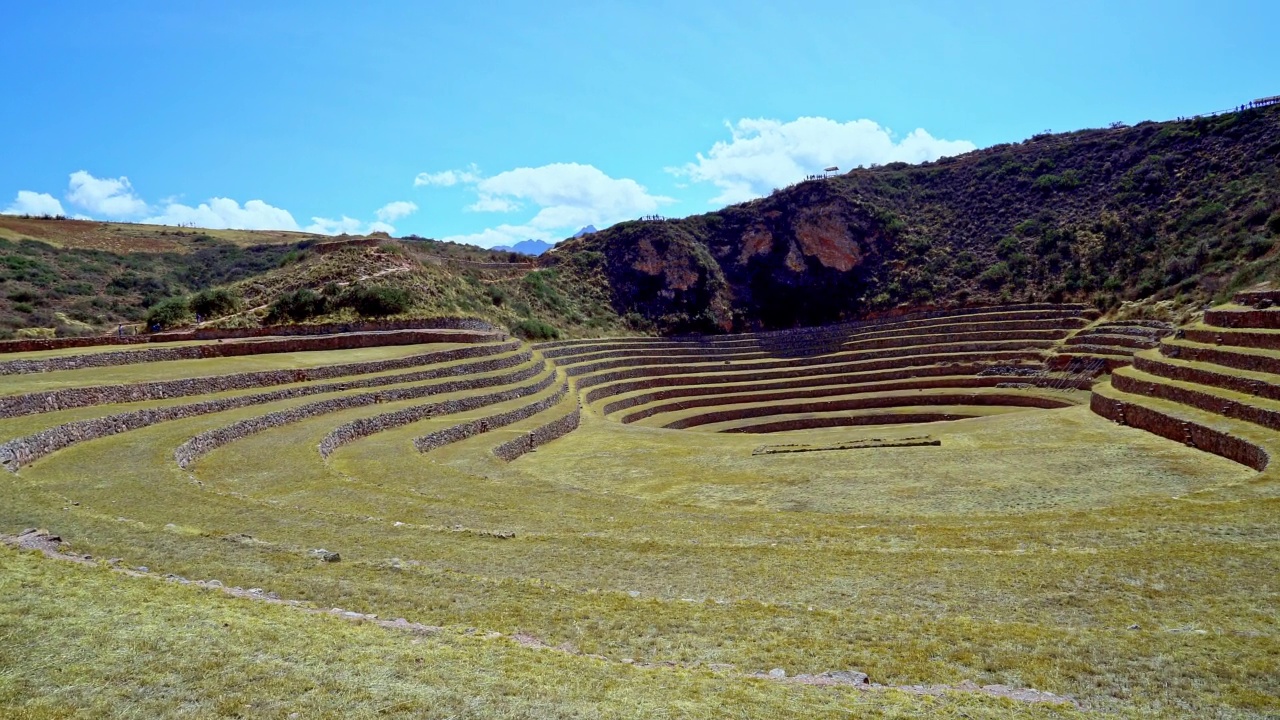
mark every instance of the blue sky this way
{"type": "Point", "coordinates": [493, 122]}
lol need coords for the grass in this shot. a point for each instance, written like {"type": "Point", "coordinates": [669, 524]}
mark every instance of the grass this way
{"type": "Point", "coordinates": [1045, 549]}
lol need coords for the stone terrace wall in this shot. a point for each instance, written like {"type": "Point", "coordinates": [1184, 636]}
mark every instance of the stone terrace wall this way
{"type": "Point", "coordinates": [258, 347]}
{"type": "Point", "coordinates": [1242, 318]}
{"type": "Point", "coordinates": [462, 431]}
{"type": "Point", "coordinates": [1184, 373]}
{"type": "Point", "coordinates": [847, 421]}
{"type": "Point", "coordinates": [1203, 400]}
{"type": "Point", "coordinates": [363, 427]}
{"type": "Point", "coordinates": [1193, 434]}
{"type": "Point", "coordinates": [987, 381]}
{"type": "Point", "coordinates": [1222, 356]}
{"type": "Point", "coordinates": [677, 374]}
{"type": "Point", "coordinates": [208, 441]}
{"type": "Point", "coordinates": [53, 400]}
{"type": "Point", "coordinates": [898, 352]}
{"type": "Point", "coordinates": [25, 450]}
{"type": "Point", "coordinates": [1260, 339]}
{"type": "Point", "coordinates": [444, 323]}
{"type": "Point", "coordinates": [1035, 401]}
{"type": "Point", "coordinates": [536, 438]}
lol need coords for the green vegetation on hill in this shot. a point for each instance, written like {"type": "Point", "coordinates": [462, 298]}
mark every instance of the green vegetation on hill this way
{"type": "Point", "coordinates": [1186, 211]}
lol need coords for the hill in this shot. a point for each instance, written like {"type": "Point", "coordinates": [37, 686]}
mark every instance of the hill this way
{"type": "Point", "coordinates": [1186, 210]}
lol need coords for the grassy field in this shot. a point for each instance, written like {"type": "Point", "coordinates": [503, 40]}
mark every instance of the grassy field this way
{"type": "Point", "coordinates": [1045, 549]}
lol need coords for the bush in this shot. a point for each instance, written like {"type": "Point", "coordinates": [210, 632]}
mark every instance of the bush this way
{"type": "Point", "coordinates": [297, 306]}
{"type": "Point", "coordinates": [214, 303]}
{"type": "Point", "coordinates": [996, 276]}
{"type": "Point", "coordinates": [534, 330]}
{"type": "Point", "coordinates": [376, 301]}
{"type": "Point", "coordinates": [1273, 224]}
{"type": "Point", "coordinates": [169, 312]}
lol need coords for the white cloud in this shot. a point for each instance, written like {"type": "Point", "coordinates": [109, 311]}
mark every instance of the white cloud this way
{"type": "Point", "coordinates": [224, 213]}
{"type": "Point", "coordinates": [34, 203]}
{"type": "Point", "coordinates": [568, 196]}
{"type": "Point", "coordinates": [765, 154]}
{"type": "Point", "coordinates": [393, 211]}
{"type": "Point", "coordinates": [112, 197]}
{"type": "Point", "coordinates": [329, 226]}
{"type": "Point", "coordinates": [448, 178]}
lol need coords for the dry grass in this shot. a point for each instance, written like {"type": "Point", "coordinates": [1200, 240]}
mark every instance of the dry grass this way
{"type": "Point", "coordinates": [1045, 549]}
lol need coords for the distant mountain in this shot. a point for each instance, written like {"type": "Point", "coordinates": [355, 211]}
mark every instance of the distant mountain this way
{"type": "Point", "coordinates": [585, 231]}
{"type": "Point", "coordinates": [526, 247]}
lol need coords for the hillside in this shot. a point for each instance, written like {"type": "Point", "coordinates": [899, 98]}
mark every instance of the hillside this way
{"type": "Point", "coordinates": [1185, 210]}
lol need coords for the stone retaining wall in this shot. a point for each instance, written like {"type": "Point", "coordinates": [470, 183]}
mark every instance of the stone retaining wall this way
{"type": "Point", "coordinates": [208, 441]}
{"type": "Point", "coordinates": [53, 400]}
{"type": "Point", "coordinates": [1249, 386]}
{"type": "Point", "coordinates": [847, 421]}
{"type": "Point", "coordinates": [1222, 356]}
{"type": "Point", "coordinates": [975, 399]}
{"type": "Point", "coordinates": [991, 381]}
{"type": "Point", "coordinates": [462, 431]}
{"type": "Point", "coordinates": [1265, 319]}
{"type": "Point", "coordinates": [1238, 338]}
{"type": "Point", "coordinates": [1109, 340]}
{"type": "Point", "coordinates": [1064, 360]}
{"type": "Point", "coordinates": [901, 352]}
{"type": "Point", "coordinates": [687, 374]}
{"type": "Point", "coordinates": [1190, 433]}
{"type": "Point", "coordinates": [363, 427]}
{"type": "Point", "coordinates": [444, 323]}
{"type": "Point", "coordinates": [25, 450]}
{"type": "Point", "coordinates": [543, 434]}
{"type": "Point", "coordinates": [992, 313]}
{"type": "Point", "coordinates": [1208, 402]}
{"type": "Point", "coordinates": [238, 349]}
{"type": "Point", "coordinates": [664, 389]}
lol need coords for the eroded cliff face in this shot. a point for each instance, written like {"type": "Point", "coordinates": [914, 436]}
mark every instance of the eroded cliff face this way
{"type": "Point", "coordinates": [1156, 210]}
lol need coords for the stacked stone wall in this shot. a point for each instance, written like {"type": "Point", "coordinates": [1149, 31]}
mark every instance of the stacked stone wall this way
{"type": "Point", "coordinates": [54, 400]}
{"type": "Point", "coordinates": [909, 384]}
{"type": "Point", "coordinates": [1226, 357]}
{"type": "Point", "coordinates": [1261, 319]}
{"type": "Point", "coordinates": [846, 421]}
{"type": "Point", "coordinates": [445, 323]}
{"type": "Point", "coordinates": [1112, 340]}
{"type": "Point", "coordinates": [363, 427]}
{"type": "Point", "coordinates": [25, 450]}
{"type": "Point", "coordinates": [239, 349]}
{"type": "Point", "coordinates": [1185, 373]}
{"type": "Point", "coordinates": [462, 431]}
{"type": "Point", "coordinates": [1184, 431]}
{"type": "Point", "coordinates": [1260, 339]}
{"type": "Point", "coordinates": [543, 434]}
{"type": "Point", "coordinates": [688, 374]}
{"type": "Point", "coordinates": [1208, 402]}
{"type": "Point", "coordinates": [891, 401]}
{"type": "Point", "coordinates": [208, 441]}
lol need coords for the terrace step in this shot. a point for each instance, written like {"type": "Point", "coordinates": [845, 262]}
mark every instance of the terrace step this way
{"type": "Point", "coordinates": [1253, 359]}
{"type": "Point", "coordinates": [1260, 384]}
{"type": "Point", "coordinates": [1260, 338]}
{"type": "Point", "coordinates": [1235, 440]}
{"type": "Point", "coordinates": [1243, 317]}
{"type": "Point", "coordinates": [907, 415]}
{"type": "Point", "coordinates": [1112, 340]}
{"type": "Point", "coordinates": [1208, 398]}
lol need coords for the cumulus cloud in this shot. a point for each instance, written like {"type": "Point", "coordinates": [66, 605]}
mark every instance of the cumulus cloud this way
{"type": "Point", "coordinates": [448, 178]}
{"type": "Point", "coordinates": [225, 213]}
{"type": "Point", "coordinates": [34, 203]}
{"type": "Point", "coordinates": [568, 196]}
{"type": "Point", "coordinates": [393, 211]}
{"type": "Point", "coordinates": [109, 197]}
{"type": "Point", "coordinates": [764, 154]}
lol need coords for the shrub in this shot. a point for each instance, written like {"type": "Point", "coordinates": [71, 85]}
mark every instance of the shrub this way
{"type": "Point", "coordinates": [297, 306]}
{"type": "Point", "coordinates": [214, 303]}
{"type": "Point", "coordinates": [534, 330]}
{"type": "Point", "coordinates": [169, 312]}
{"type": "Point", "coordinates": [376, 301]}
{"type": "Point", "coordinates": [1273, 224]}
{"type": "Point", "coordinates": [996, 276]}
